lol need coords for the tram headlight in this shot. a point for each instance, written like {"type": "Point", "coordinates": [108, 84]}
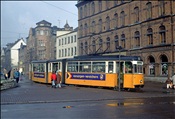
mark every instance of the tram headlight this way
{"type": "Point", "coordinates": [141, 81]}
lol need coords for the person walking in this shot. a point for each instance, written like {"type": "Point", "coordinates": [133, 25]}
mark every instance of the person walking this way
{"type": "Point", "coordinates": [169, 83]}
{"type": "Point", "coordinates": [53, 79]}
{"type": "Point", "coordinates": [16, 75]}
{"type": "Point", "coordinates": [58, 82]}
{"type": "Point", "coordinates": [173, 79]}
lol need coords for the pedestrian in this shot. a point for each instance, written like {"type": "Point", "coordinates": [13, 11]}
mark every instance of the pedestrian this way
{"type": "Point", "coordinates": [58, 82]}
{"type": "Point", "coordinates": [5, 73]}
{"type": "Point", "coordinates": [16, 75]}
{"type": "Point", "coordinates": [169, 83]}
{"type": "Point", "coordinates": [173, 79]}
{"type": "Point", "coordinates": [53, 79]}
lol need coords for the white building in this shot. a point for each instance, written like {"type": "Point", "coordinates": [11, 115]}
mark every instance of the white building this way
{"type": "Point", "coordinates": [66, 45]}
{"type": "Point", "coordinates": [12, 54]}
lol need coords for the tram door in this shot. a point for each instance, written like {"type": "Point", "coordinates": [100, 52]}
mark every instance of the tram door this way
{"type": "Point", "coordinates": [120, 69]}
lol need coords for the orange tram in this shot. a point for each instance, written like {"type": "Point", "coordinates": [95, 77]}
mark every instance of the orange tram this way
{"type": "Point", "coordinates": [101, 71]}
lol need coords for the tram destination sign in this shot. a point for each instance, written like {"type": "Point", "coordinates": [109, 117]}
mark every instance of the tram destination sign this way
{"type": "Point", "coordinates": [39, 75]}
{"type": "Point", "coordinates": [88, 76]}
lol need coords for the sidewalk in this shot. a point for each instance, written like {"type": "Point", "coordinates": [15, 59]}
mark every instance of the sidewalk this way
{"type": "Point", "coordinates": [31, 92]}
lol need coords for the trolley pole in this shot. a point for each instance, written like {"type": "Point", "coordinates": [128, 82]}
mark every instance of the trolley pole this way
{"type": "Point", "coordinates": [119, 72]}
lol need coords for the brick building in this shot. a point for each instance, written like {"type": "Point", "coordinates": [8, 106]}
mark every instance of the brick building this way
{"type": "Point", "coordinates": [142, 28]}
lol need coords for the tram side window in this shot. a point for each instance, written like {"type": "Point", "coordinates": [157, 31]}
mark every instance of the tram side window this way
{"type": "Point", "coordinates": [85, 67]}
{"type": "Point", "coordinates": [110, 67]}
{"type": "Point", "coordinates": [98, 67]}
{"type": "Point", "coordinates": [72, 67]}
{"type": "Point", "coordinates": [138, 68]}
{"type": "Point", "coordinates": [128, 67]}
{"type": "Point", "coordinates": [39, 67]}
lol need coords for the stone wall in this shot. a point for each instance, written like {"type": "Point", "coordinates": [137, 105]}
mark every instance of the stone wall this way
{"type": "Point", "coordinates": [7, 84]}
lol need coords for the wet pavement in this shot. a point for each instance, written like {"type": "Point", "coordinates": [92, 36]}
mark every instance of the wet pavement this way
{"type": "Point", "coordinates": [30, 92]}
{"type": "Point", "coordinates": [39, 101]}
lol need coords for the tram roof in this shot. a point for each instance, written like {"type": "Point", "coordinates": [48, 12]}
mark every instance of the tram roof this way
{"type": "Point", "coordinates": [106, 57]}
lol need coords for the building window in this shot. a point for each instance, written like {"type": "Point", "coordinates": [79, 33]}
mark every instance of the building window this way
{"type": "Point", "coordinates": [62, 41]}
{"type": "Point", "coordinates": [81, 30]}
{"type": "Point", "coordinates": [100, 25]}
{"type": "Point", "coordinates": [72, 39]}
{"type": "Point", "coordinates": [150, 36]}
{"type": "Point", "coordinates": [72, 51]}
{"type": "Point", "coordinates": [86, 47]}
{"type": "Point", "coordinates": [107, 23]}
{"type": "Point", "coordinates": [116, 42]}
{"type": "Point", "coordinates": [59, 53]}
{"type": "Point", "coordinates": [75, 51]}
{"type": "Point", "coordinates": [162, 33]}
{"type": "Point", "coordinates": [123, 40]}
{"type": "Point", "coordinates": [161, 7]}
{"type": "Point", "coordinates": [115, 20]}
{"type": "Point", "coordinates": [115, 2]}
{"type": "Point", "coordinates": [136, 12]}
{"type": "Point", "coordinates": [100, 5]}
{"type": "Point", "coordinates": [81, 12]}
{"type": "Point", "coordinates": [122, 18]}
{"type": "Point", "coordinates": [85, 11]}
{"type": "Point", "coordinates": [100, 45]}
{"type": "Point", "coordinates": [93, 26]}
{"type": "Point", "coordinates": [75, 38]}
{"type": "Point", "coordinates": [93, 8]}
{"type": "Point", "coordinates": [65, 52]}
{"type": "Point", "coordinates": [137, 39]}
{"type": "Point", "coordinates": [93, 46]}
{"type": "Point", "coordinates": [85, 29]}
{"type": "Point", "coordinates": [107, 4]}
{"type": "Point", "coordinates": [151, 65]}
{"type": "Point", "coordinates": [149, 10]}
{"type": "Point", "coordinates": [164, 65]}
{"type": "Point", "coordinates": [68, 51]}
{"type": "Point", "coordinates": [81, 47]}
{"type": "Point", "coordinates": [108, 44]}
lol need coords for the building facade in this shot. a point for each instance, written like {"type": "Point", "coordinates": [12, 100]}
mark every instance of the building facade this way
{"type": "Point", "coordinates": [12, 54]}
{"type": "Point", "coordinates": [66, 45]}
{"type": "Point", "coordinates": [142, 28]}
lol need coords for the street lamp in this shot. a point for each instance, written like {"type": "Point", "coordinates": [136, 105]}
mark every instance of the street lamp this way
{"type": "Point", "coordinates": [119, 48]}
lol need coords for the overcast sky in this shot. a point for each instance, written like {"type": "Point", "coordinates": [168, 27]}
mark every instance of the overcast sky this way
{"type": "Point", "coordinates": [17, 17]}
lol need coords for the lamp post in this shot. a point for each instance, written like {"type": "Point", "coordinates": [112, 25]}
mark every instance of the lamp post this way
{"type": "Point", "coordinates": [119, 48]}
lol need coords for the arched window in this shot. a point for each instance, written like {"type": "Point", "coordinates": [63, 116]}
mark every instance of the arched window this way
{"type": "Point", "coordinates": [108, 44]}
{"type": "Point", "coordinates": [161, 7]}
{"type": "Point", "coordinates": [136, 12]}
{"type": "Point", "coordinates": [164, 65]}
{"type": "Point", "coordinates": [85, 11]}
{"type": "Point", "coordinates": [123, 40]}
{"type": "Point", "coordinates": [93, 8]}
{"type": "Point", "coordinates": [107, 23]}
{"type": "Point", "coordinates": [162, 32]}
{"type": "Point", "coordinates": [100, 25]}
{"type": "Point", "coordinates": [81, 47]}
{"type": "Point", "coordinates": [151, 65]}
{"type": "Point", "coordinates": [116, 42]}
{"type": "Point", "coordinates": [81, 30]}
{"type": "Point", "coordinates": [137, 39]}
{"type": "Point", "coordinates": [150, 36]}
{"type": "Point", "coordinates": [122, 18]}
{"type": "Point", "coordinates": [100, 45]}
{"type": "Point", "coordinates": [93, 46]}
{"type": "Point", "coordinates": [85, 29]}
{"type": "Point", "coordinates": [93, 26]}
{"type": "Point", "coordinates": [107, 4]}
{"type": "Point", "coordinates": [149, 10]}
{"type": "Point", "coordinates": [100, 5]}
{"type": "Point", "coordinates": [115, 20]}
{"type": "Point", "coordinates": [86, 47]}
